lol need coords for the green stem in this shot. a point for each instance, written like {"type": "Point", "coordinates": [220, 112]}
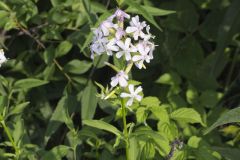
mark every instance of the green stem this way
{"type": "Point", "coordinates": [125, 131]}
{"type": "Point", "coordinates": [74, 154]}
{"type": "Point", "coordinates": [10, 138]}
{"type": "Point", "coordinates": [232, 68]}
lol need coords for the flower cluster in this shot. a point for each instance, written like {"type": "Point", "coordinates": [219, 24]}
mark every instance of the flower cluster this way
{"type": "Point", "coordinates": [128, 38]}
{"type": "Point", "coordinates": [3, 59]}
{"type": "Point", "coordinates": [134, 42]}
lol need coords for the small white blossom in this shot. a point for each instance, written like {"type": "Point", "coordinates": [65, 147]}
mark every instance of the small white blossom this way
{"type": "Point", "coordinates": [148, 35]}
{"type": "Point", "coordinates": [3, 59]}
{"type": "Point", "coordinates": [98, 45]}
{"type": "Point", "coordinates": [106, 26]}
{"type": "Point", "coordinates": [111, 46]}
{"type": "Point", "coordinates": [121, 15]}
{"type": "Point", "coordinates": [119, 33]}
{"type": "Point", "coordinates": [132, 95]}
{"type": "Point", "coordinates": [151, 45]}
{"type": "Point", "coordinates": [121, 79]}
{"type": "Point", "coordinates": [127, 48]}
{"type": "Point", "coordinates": [136, 28]}
{"type": "Point", "coordinates": [144, 51]}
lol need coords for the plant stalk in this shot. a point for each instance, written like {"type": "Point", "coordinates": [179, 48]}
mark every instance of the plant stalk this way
{"type": "Point", "coordinates": [125, 131]}
{"type": "Point", "coordinates": [10, 138]}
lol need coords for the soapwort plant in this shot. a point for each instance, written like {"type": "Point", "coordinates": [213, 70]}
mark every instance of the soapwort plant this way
{"type": "Point", "coordinates": [128, 40]}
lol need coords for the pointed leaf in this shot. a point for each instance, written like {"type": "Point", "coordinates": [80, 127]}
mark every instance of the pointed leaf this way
{"type": "Point", "coordinates": [102, 125]}
{"type": "Point", "coordinates": [187, 115]}
{"type": "Point", "coordinates": [143, 12]}
{"type": "Point", "coordinates": [28, 83]}
{"type": "Point", "coordinates": [89, 101]}
{"type": "Point", "coordinates": [232, 116]}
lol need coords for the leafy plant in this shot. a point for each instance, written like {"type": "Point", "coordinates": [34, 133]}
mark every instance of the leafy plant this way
{"type": "Point", "coordinates": [55, 101]}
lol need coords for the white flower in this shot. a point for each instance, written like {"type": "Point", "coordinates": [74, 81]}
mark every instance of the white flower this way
{"type": "Point", "coordinates": [152, 48]}
{"type": "Point", "coordinates": [148, 35]}
{"type": "Point", "coordinates": [106, 26]}
{"type": "Point", "coordinates": [132, 95]}
{"type": "Point", "coordinates": [136, 28]}
{"type": "Point", "coordinates": [111, 46]}
{"type": "Point", "coordinates": [121, 79]}
{"type": "Point", "coordinates": [3, 59]}
{"type": "Point", "coordinates": [99, 43]}
{"type": "Point", "coordinates": [127, 48]}
{"type": "Point", "coordinates": [119, 33]}
{"type": "Point", "coordinates": [121, 15]}
{"type": "Point", "coordinates": [144, 51]}
{"type": "Point", "coordinates": [151, 45]}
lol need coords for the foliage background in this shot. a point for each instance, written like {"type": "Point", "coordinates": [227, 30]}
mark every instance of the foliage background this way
{"type": "Point", "coordinates": [47, 86]}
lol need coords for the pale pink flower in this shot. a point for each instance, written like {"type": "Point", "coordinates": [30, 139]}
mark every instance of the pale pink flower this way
{"type": "Point", "coordinates": [132, 95]}
{"type": "Point", "coordinates": [121, 79]}
{"type": "Point", "coordinates": [127, 48]}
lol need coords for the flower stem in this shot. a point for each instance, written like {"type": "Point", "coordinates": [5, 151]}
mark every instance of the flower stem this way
{"type": "Point", "coordinates": [125, 131]}
{"type": "Point", "coordinates": [10, 138]}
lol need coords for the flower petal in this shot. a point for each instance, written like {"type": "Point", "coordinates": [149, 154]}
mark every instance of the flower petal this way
{"type": "Point", "coordinates": [121, 44]}
{"type": "Point", "coordinates": [139, 89]}
{"type": "Point", "coordinates": [114, 81]}
{"type": "Point", "coordinates": [124, 95]}
{"type": "Point", "coordinates": [128, 56]}
{"type": "Point", "coordinates": [119, 54]}
{"type": "Point", "coordinates": [140, 48]}
{"type": "Point", "coordinates": [130, 102]}
{"type": "Point", "coordinates": [131, 88]}
{"type": "Point", "coordinates": [127, 42]}
{"type": "Point", "coordinates": [123, 82]}
{"type": "Point", "coordinates": [135, 20]}
{"type": "Point", "coordinates": [131, 29]}
{"type": "Point", "coordinates": [136, 58]}
{"type": "Point", "coordinates": [138, 97]}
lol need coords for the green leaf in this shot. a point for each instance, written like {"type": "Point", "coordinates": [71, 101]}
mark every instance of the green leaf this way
{"type": "Point", "coordinates": [209, 98]}
{"type": "Point", "coordinates": [194, 141]}
{"type": "Point", "coordinates": [134, 148]}
{"type": "Point", "coordinates": [99, 61]}
{"type": "Point", "coordinates": [77, 67]}
{"type": "Point", "coordinates": [179, 155]}
{"type": "Point", "coordinates": [187, 115]}
{"type": "Point", "coordinates": [141, 114]}
{"type": "Point", "coordinates": [143, 12]}
{"type": "Point", "coordinates": [18, 109]}
{"type": "Point", "coordinates": [89, 101]}
{"type": "Point", "coordinates": [28, 83]}
{"type": "Point", "coordinates": [63, 48]}
{"type": "Point", "coordinates": [232, 116]}
{"type": "Point", "coordinates": [150, 101]}
{"type": "Point", "coordinates": [192, 95]}
{"type": "Point", "coordinates": [169, 130]}
{"type": "Point", "coordinates": [151, 10]}
{"type": "Point", "coordinates": [98, 7]}
{"type": "Point", "coordinates": [148, 150]}
{"type": "Point", "coordinates": [18, 129]}
{"type": "Point", "coordinates": [102, 125]}
{"type": "Point", "coordinates": [66, 105]}
{"type": "Point", "coordinates": [160, 140]}
{"type": "Point", "coordinates": [4, 6]}
{"type": "Point", "coordinates": [160, 113]}
{"type": "Point", "coordinates": [228, 28]}
{"type": "Point", "coordinates": [61, 2]}
{"type": "Point", "coordinates": [228, 153]}
{"type": "Point", "coordinates": [56, 153]}
{"type": "Point", "coordinates": [186, 18]}
{"type": "Point", "coordinates": [169, 78]}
